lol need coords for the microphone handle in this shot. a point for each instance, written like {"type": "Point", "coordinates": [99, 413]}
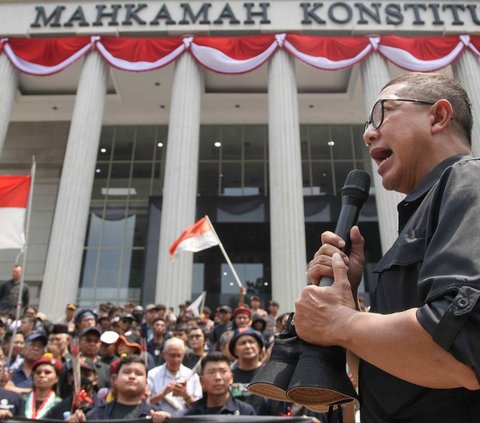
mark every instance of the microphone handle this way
{"type": "Point", "coordinates": [346, 220]}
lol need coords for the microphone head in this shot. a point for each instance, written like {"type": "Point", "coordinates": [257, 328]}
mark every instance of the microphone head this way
{"type": "Point", "coordinates": [357, 185]}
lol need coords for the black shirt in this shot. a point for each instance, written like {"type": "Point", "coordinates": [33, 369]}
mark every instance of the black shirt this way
{"type": "Point", "coordinates": [241, 379]}
{"type": "Point", "coordinates": [233, 406]}
{"type": "Point", "coordinates": [434, 265]}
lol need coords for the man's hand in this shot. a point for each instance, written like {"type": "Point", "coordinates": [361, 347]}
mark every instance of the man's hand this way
{"type": "Point", "coordinates": [321, 265]}
{"type": "Point", "coordinates": [159, 416]}
{"type": "Point", "coordinates": [321, 312]}
{"type": "Point", "coordinates": [5, 414]}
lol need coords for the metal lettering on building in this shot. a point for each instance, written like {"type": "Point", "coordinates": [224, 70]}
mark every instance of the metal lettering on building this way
{"type": "Point", "coordinates": [229, 15]}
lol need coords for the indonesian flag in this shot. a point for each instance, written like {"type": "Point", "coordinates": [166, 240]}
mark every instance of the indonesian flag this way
{"type": "Point", "coordinates": [197, 237]}
{"type": "Point", "coordinates": [14, 190]}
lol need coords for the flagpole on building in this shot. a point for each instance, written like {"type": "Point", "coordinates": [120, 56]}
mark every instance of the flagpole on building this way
{"type": "Point", "coordinates": [24, 259]}
{"type": "Point", "coordinates": [237, 279]}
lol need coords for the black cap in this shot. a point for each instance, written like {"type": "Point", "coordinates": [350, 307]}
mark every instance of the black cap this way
{"type": "Point", "coordinates": [59, 328]}
{"type": "Point", "coordinates": [84, 313]}
{"type": "Point", "coordinates": [86, 331]}
{"type": "Point", "coordinates": [37, 336]}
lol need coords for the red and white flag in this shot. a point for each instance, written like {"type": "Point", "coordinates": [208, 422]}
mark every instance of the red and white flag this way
{"type": "Point", "coordinates": [197, 237]}
{"type": "Point", "coordinates": [14, 190]}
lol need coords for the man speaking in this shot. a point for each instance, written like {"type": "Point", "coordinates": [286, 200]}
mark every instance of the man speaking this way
{"type": "Point", "coordinates": [419, 347]}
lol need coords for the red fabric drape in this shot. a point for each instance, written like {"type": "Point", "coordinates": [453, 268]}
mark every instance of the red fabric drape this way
{"type": "Point", "coordinates": [44, 56]}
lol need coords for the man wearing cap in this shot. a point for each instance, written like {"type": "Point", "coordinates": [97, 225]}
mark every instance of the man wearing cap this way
{"type": "Point", "coordinates": [246, 345]}
{"type": "Point", "coordinates": [85, 318]}
{"type": "Point", "coordinates": [224, 315]}
{"type": "Point", "coordinates": [58, 341]}
{"type": "Point", "coordinates": [85, 400]}
{"type": "Point", "coordinates": [32, 351]}
{"type": "Point", "coordinates": [69, 318]}
{"type": "Point", "coordinates": [108, 347]}
{"type": "Point", "coordinates": [126, 323]}
{"type": "Point", "coordinates": [89, 346]}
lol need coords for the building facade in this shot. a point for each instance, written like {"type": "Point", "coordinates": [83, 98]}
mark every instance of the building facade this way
{"type": "Point", "coordinates": [143, 117]}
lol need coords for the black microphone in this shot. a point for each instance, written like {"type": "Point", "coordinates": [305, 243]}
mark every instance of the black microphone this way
{"type": "Point", "coordinates": [354, 195]}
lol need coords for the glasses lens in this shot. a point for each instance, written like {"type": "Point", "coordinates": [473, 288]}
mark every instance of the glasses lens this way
{"type": "Point", "coordinates": [377, 114]}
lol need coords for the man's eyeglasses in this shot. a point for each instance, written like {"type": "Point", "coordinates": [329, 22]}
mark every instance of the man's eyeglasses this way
{"type": "Point", "coordinates": [378, 110]}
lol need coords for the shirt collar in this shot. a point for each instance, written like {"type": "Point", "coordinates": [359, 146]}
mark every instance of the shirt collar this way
{"type": "Point", "coordinates": [424, 186]}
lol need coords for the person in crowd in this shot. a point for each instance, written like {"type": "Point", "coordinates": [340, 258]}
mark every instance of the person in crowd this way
{"type": "Point", "coordinates": [16, 358]}
{"type": "Point", "coordinates": [130, 344]}
{"type": "Point", "coordinates": [89, 347]}
{"type": "Point", "coordinates": [84, 319]}
{"type": "Point", "coordinates": [11, 403]}
{"type": "Point", "coordinates": [246, 345]}
{"type": "Point", "coordinates": [32, 351]}
{"type": "Point", "coordinates": [205, 321]}
{"type": "Point", "coordinates": [130, 383]}
{"type": "Point", "coordinates": [273, 313]}
{"type": "Point", "coordinates": [27, 325]}
{"type": "Point", "coordinates": [180, 331]}
{"type": "Point", "coordinates": [259, 324]}
{"type": "Point", "coordinates": [104, 323]}
{"type": "Point", "coordinates": [256, 306]}
{"type": "Point", "coordinates": [30, 310]}
{"type": "Point", "coordinates": [155, 345]}
{"type": "Point", "coordinates": [224, 345]}
{"type": "Point", "coordinates": [242, 317]}
{"type": "Point", "coordinates": [58, 341]}
{"type": "Point", "coordinates": [151, 313]}
{"type": "Point", "coordinates": [216, 379]}
{"type": "Point", "coordinates": [45, 372]}
{"type": "Point", "coordinates": [85, 399]}
{"type": "Point", "coordinates": [196, 343]}
{"type": "Point", "coordinates": [281, 323]}
{"type": "Point", "coordinates": [108, 347]}
{"type": "Point", "coordinates": [173, 386]}
{"type": "Point", "coordinates": [224, 314]}
{"type": "Point", "coordinates": [9, 293]}
{"type": "Point", "coordinates": [126, 323]}
{"type": "Point", "coordinates": [69, 318]}
{"type": "Point", "coordinates": [162, 311]}
{"type": "Point", "coordinates": [137, 314]}
{"type": "Point", "coordinates": [425, 309]}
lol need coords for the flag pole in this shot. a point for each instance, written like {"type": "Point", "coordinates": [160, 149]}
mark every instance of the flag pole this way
{"type": "Point", "coordinates": [24, 259]}
{"type": "Point", "coordinates": [237, 279]}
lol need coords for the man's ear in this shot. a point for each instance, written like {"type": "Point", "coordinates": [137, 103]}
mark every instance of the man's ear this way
{"type": "Point", "coordinates": [442, 114]}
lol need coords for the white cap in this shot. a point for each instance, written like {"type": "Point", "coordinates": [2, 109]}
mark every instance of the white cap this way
{"type": "Point", "coordinates": [109, 337]}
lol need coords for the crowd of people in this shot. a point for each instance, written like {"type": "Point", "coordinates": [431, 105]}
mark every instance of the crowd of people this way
{"type": "Point", "coordinates": [132, 361]}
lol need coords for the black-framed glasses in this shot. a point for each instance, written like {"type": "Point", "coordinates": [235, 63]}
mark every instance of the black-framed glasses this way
{"type": "Point", "coordinates": [378, 110]}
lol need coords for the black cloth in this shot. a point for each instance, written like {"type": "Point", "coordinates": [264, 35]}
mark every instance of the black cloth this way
{"type": "Point", "coordinates": [56, 412]}
{"type": "Point", "coordinates": [241, 379]}
{"type": "Point", "coordinates": [107, 410]}
{"type": "Point", "coordinates": [434, 265]}
{"type": "Point", "coordinates": [233, 406]}
{"type": "Point", "coordinates": [12, 402]}
{"type": "Point", "coordinates": [9, 295]}
{"type": "Point", "coordinates": [103, 374]}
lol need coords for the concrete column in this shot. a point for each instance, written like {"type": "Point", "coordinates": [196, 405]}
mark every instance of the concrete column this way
{"type": "Point", "coordinates": [467, 70]}
{"type": "Point", "coordinates": [374, 73]}
{"type": "Point", "coordinates": [65, 251]}
{"type": "Point", "coordinates": [287, 222]}
{"type": "Point", "coordinates": [174, 277]}
{"type": "Point", "coordinates": [8, 87]}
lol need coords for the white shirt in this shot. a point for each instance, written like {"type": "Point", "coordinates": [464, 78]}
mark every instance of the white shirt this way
{"type": "Point", "coordinates": [159, 377]}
